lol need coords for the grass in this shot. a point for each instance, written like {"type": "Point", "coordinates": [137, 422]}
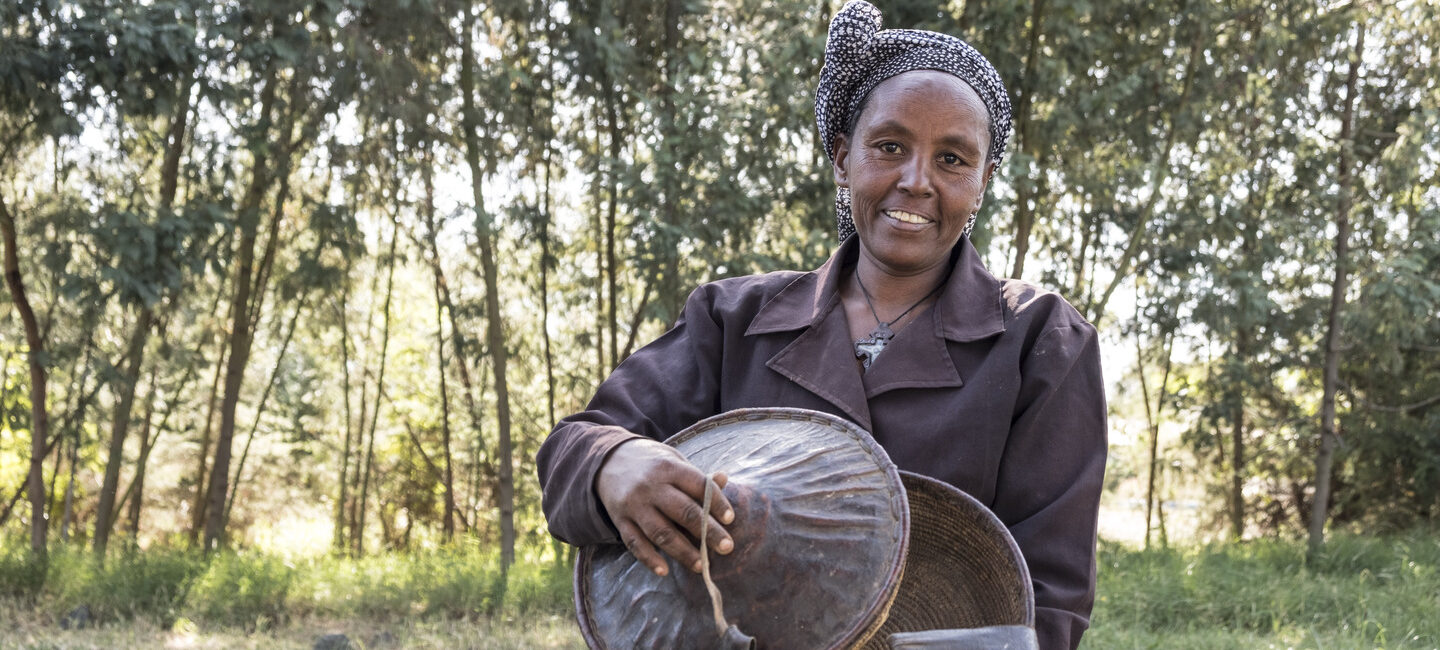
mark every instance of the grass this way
{"type": "Point", "coordinates": [180, 599]}
{"type": "Point", "coordinates": [1363, 592]}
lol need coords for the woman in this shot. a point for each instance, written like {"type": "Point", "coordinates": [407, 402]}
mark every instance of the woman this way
{"type": "Point", "coordinates": [992, 386]}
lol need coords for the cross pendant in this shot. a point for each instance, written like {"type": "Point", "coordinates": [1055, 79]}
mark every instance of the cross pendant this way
{"type": "Point", "coordinates": [870, 347]}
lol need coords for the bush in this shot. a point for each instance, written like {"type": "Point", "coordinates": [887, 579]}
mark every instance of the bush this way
{"type": "Point", "coordinates": [245, 589]}
{"type": "Point", "coordinates": [22, 575]}
{"type": "Point", "coordinates": [153, 583]}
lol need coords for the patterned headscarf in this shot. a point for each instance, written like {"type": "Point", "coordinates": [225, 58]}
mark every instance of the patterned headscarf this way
{"type": "Point", "coordinates": [859, 55]}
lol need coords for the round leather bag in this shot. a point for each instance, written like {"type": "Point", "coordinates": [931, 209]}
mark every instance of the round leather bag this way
{"type": "Point", "coordinates": [820, 529]}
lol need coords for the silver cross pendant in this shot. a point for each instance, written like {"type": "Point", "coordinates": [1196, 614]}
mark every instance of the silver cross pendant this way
{"type": "Point", "coordinates": [869, 348]}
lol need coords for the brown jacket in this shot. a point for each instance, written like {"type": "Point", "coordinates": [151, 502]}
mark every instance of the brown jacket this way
{"type": "Point", "coordinates": [995, 390]}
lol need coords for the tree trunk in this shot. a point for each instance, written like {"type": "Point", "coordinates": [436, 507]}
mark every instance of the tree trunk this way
{"type": "Point", "coordinates": [69, 511]}
{"type": "Point", "coordinates": [202, 483]}
{"type": "Point", "coordinates": [340, 509]}
{"type": "Point", "coordinates": [1152, 421]}
{"type": "Point", "coordinates": [119, 428]}
{"type": "Point", "coordinates": [448, 476]}
{"type": "Point", "coordinates": [358, 530]}
{"type": "Point", "coordinates": [1329, 431]}
{"type": "Point", "coordinates": [1027, 195]}
{"type": "Point", "coordinates": [487, 239]}
{"type": "Point", "coordinates": [611, 276]}
{"type": "Point", "coordinates": [260, 408]}
{"type": "Point", "coordinates": [240, 334]}
{"type": "Point", "coordinates": [39, 417]}
{"type": "Point", "coordinates": [136, 493]}
{"type": "Point", "coordinates": [1237, 442]}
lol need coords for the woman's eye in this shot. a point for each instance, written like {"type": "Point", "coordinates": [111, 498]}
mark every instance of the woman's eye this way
{"type": "Point", "coordinates": [890, 147]}
{"type": "Point", "coordinates": [950, 159]}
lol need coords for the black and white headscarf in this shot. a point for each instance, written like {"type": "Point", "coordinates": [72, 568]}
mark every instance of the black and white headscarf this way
{"type": "Point", "coordinates": [859, 55]}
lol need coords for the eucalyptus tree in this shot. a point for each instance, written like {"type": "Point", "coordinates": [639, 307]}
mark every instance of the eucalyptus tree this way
{"type": "Point", "coordinates": [286, 53]}
{"type": "Point", "coordinates": [140, 63]}
{"type": "Point", "coordinates": [37, 97]}
{"type": "Point", "coordinates": [1386, 379]}
{"type": "Point", "coordinates": [1253, 210]}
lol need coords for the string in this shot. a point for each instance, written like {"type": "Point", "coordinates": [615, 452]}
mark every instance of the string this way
{"type": "Point", "coordinates": [871, 305]}
{"type": "Point", "coordinates": [720, 624]}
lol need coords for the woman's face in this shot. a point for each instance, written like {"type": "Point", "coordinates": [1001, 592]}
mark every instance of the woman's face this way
{"type": "Point", "coordinates": [916, 168]}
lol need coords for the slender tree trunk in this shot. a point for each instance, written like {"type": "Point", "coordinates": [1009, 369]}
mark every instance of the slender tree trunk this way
{"type": "Point", "coordinates": [1329, 431]}
{"type": "Point", "coordinates": [119, 428]}
{"type": "Point", "coordinates": [494, 328]}
{"type": "Point", "coordinates": [39, 417]}
{"type": "Point", "coordinates": [545, 254]}
{"type": "Point", "coordinates": [1152, 421]}
{"type": "Point", "coordinates": [611, 276]}
{"type": "Point", "coordinates": [1159, 171]}
{"type": "Point", "coordinates": [597, 222]}
{"type": "Point", "coordinates": [448, 476]}
{"type": "Point", "coordinates": [69, 512]}
{"type": "Point", "coordinates": [340, 508]}
{"type": "Point", "coordinates": [260, 408]}
{"type": "Point", "coordinates": [136, 493]}
{"type": "Point", "coordinates": [545, 298]}
{"type": "Point", "coordinates": [358, 531]}
{"type": "Point", "coordinates": [1237, 442]}
{"type": "Point", "coordinates": [240, 333]}
{"type": "Point", "coordinates": [202, 483]}
{"type": "Point", "coordinates": [1027, 195]}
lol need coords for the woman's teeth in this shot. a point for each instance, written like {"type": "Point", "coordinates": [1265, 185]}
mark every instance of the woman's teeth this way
{"type": "Point", "coordinates": [907, 217]}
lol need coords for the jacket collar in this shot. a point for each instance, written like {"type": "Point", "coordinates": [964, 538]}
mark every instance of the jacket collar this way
{"type": "Point", "coordinates": [970, 308]}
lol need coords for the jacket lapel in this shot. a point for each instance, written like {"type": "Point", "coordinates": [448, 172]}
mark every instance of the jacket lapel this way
{"type": "Point", "coordinates": [820, 359]}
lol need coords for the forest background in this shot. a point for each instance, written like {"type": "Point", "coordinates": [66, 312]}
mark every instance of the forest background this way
{"type": "Point", "coordinates": [319, 276]}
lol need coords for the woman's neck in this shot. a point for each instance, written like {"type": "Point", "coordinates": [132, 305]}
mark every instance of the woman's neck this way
{"type": "Point", "coordinates": [892, 293]}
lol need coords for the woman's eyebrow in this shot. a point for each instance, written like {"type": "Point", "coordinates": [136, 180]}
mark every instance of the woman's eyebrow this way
{"type": "Point", "coordinates": [964, 143]}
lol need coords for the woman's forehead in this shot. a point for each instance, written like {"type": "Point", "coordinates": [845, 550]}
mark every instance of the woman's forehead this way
{"type": "Point", "coordinates": [931, 96]}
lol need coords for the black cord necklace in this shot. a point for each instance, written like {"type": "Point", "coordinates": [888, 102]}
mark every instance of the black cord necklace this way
{"type": "Point", "coordinates": [867, 349]}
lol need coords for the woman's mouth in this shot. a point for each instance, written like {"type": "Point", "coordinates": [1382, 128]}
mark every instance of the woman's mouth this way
{"type": "Point", "coordinates": [906, 217]}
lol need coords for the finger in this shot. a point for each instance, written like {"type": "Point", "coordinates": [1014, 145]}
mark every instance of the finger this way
{"type": "Point", "coordinates": [692, 484]}
{"type": "Point", "coordinates": [640, 547]}
{"type": "Point", "coordinates": [692, 518]}
{"type": "Point", "coordinates": [661, 532]}
{"type": "Point", "coordinates": [720, 506]}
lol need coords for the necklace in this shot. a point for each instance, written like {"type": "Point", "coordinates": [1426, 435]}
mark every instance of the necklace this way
{"type": "Point", "coordinates": [867, 349]}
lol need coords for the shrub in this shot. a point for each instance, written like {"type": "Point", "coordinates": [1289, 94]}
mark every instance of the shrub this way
{"type": "Point", "coordinates": [245, 589]}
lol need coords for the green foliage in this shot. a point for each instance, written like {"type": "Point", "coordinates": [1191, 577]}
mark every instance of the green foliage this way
{"type": "Point", "coordinates": [1379, 591]}
{"type": "Point", "coordinates": [22, 576]}
{"type": "Point", "coordinates": [258, 591]}
{"type": "Point", "coordinates": [133, 584]}
{"type": "Point", "coordinates": [245, 589]}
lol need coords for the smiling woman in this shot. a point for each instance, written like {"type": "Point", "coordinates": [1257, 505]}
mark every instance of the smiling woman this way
{"type": "Point", "coordinates": [992, 386]}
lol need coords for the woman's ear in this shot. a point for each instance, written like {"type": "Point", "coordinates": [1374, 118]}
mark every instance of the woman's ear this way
{"type": "Point", "coordinates": [842, 159]}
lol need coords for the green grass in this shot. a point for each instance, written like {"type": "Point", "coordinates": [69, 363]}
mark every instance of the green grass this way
{"type": "Point", "coordinates": [1363, 592]}
{"type": "Point", "coordinates": [1360, 593]}
{"type": "Point", "coordinates": [256, 591]}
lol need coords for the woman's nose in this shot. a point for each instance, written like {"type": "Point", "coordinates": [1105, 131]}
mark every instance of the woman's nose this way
{"type": "Point", "coordinates": [915, 177]}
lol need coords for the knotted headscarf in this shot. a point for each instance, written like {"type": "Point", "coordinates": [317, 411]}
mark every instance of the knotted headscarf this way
{"type": "Point", "coordinates": [859, 55]}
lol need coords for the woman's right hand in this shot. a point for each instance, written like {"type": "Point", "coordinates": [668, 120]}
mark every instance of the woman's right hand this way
{"type": "Point", "coordinates": [653, 495]}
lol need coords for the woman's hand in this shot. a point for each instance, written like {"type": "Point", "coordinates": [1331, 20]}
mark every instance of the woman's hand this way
{"type": "Point", "coordinates": [653, 495]}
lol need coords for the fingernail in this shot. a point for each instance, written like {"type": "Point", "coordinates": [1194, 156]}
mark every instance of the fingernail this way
{"type": "Point", "coordinates": [696, 568]}
{"type": "Point", "coordinates": [725, 546]}
{"type": "Point", "coordinates": [660, 571]}
{"type": "Point", "coordinates": [727, 517]}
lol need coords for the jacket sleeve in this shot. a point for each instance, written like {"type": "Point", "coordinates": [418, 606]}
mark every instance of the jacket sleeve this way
{"type": "Point", "coordinates": [662, 388]}
{"type": "Point", "coordinates": [1051, 476]}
